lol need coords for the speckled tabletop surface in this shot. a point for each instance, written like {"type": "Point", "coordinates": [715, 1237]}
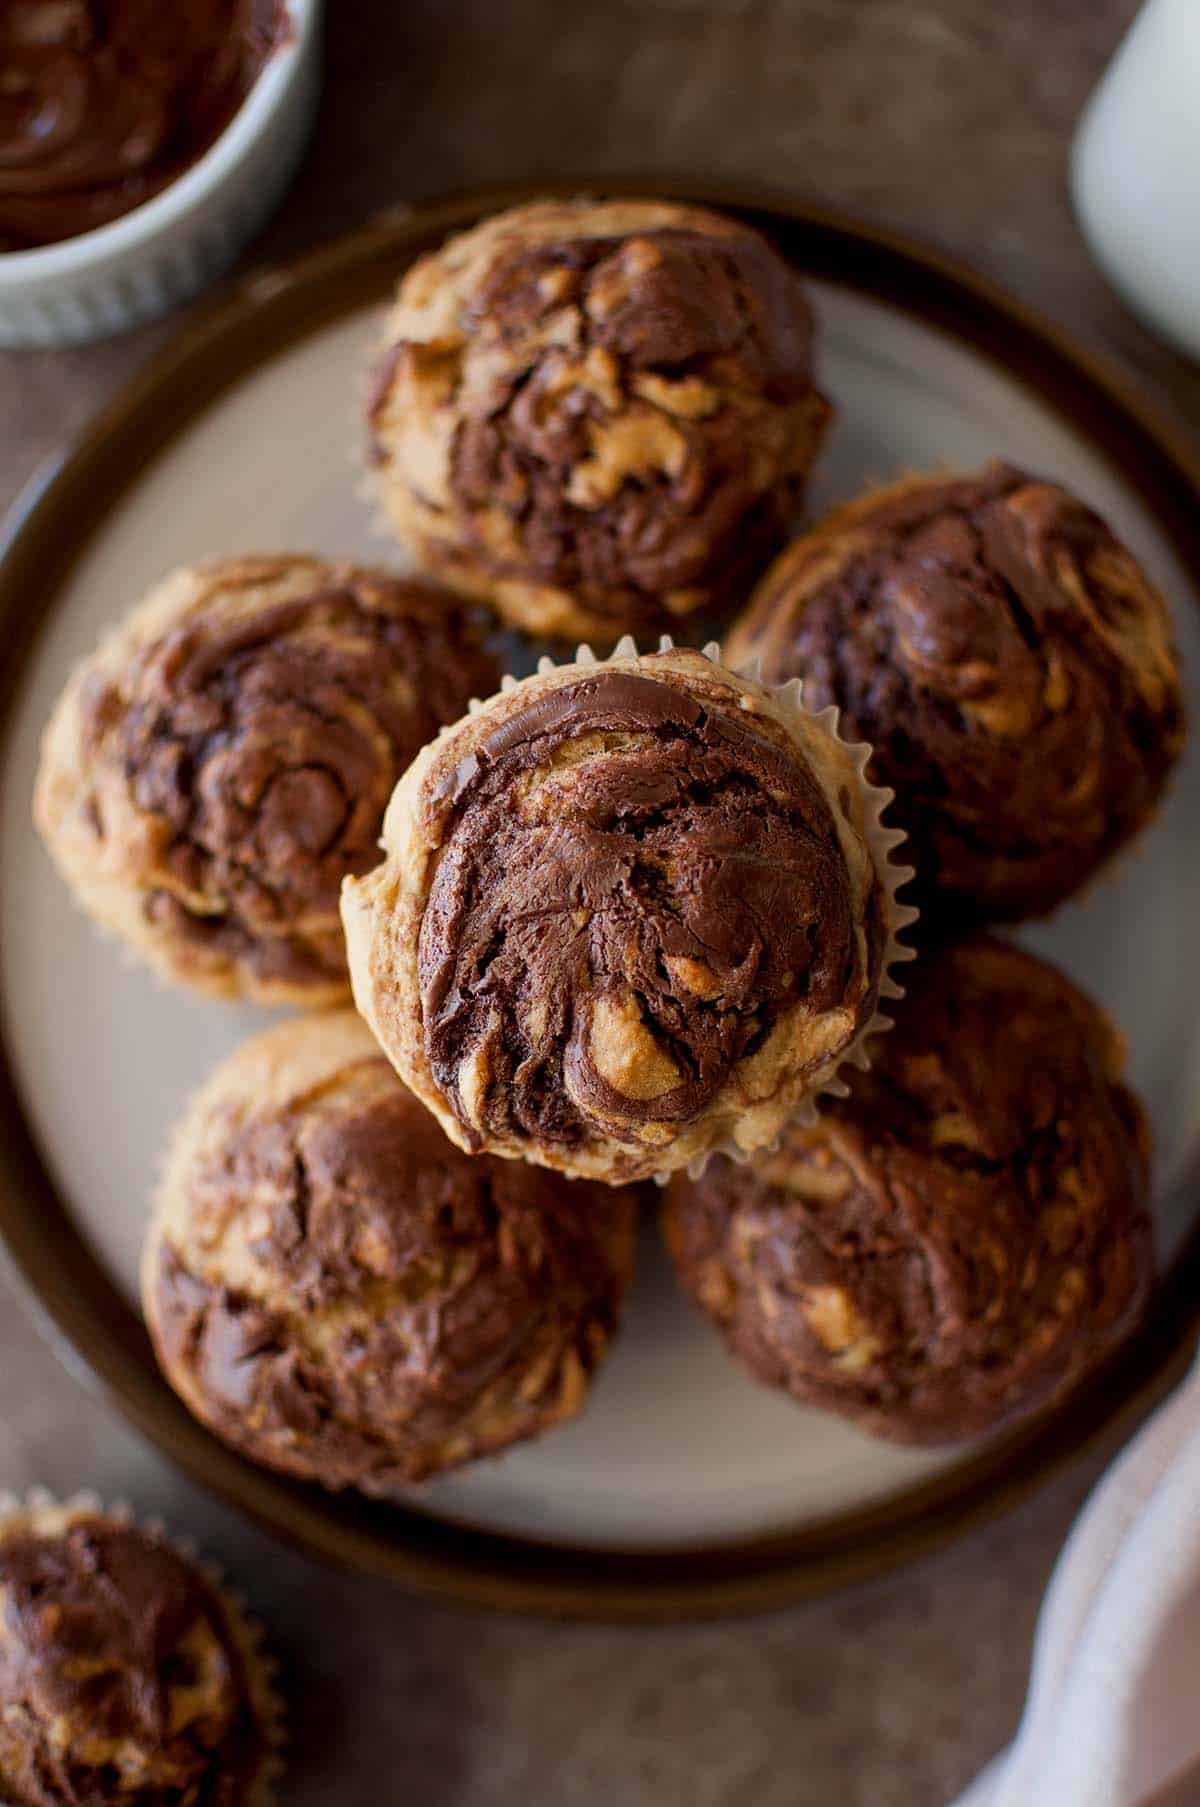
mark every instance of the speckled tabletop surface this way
{"type": "Point", "coordinates": [949, 119]}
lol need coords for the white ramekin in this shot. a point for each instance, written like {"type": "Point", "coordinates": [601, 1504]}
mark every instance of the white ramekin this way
{"type": "Point", "coordinates": [168, 249]}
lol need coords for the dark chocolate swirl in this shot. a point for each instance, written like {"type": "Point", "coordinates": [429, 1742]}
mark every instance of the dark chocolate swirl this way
{"type": "Point", "coordinates": [120, 1683]}
{"type": "Point", "coordinates": [958, 1240]}
{"type": "Point", "coordinates": [259, 747]}
{"type": "Point", "coordinates": [101, 106]}
{"type": "Point", "coordinates": [1008, 662]}
{"type": "Point", "coordinates": [635, 885]}
{"type": "Point", "coordinates": [627, 409]}
{"type": "Point", "coordinates": [405, 1308]}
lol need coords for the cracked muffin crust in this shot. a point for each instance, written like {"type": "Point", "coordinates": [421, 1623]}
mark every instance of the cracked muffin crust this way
{"type": "Point", "coordinates": [126, 1677]}
{"type": "Point", "coordinates": [343, 1296]}
{"type": "Point", "coordinates": [958, 1241]}
{"type": "Point", "coordinates": [597, 416]}
{"type": "Point", "coordinates": [216, 769]}
{"type": "Point", "coordinates": [628, 912]}
{"type": "Point", "coordinates": [1009, 663]}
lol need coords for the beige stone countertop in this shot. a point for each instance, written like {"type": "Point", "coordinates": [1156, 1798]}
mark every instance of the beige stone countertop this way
{"type": "Point", "coordinates": [948, 119]}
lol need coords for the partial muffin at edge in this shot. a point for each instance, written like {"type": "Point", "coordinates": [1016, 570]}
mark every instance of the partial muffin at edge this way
{"type": "Point", "coordinates": [127, 1678]}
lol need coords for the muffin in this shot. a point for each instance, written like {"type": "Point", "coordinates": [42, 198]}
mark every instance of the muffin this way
{"type": "Point", "coordinates": [343, 1296]}
{"type": "Point", "coordinates": [215, 770]}
{"type": "Point", "coordinates": [627, 912]}
{"type": "Point", "coordinates": [959, 1240]}
{"type": "Point", "coordinates": [1009, 663]}
{"type": "Point", "coordinates": [127, 1679]}
{"type": "Point", "coordinates": [597, 415]}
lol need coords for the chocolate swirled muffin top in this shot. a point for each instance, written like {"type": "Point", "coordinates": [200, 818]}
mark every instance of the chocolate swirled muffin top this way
{"type": "Point", "coordinates": [218, 767]}
{"type": "Point", "coordinates": [958, 1241]}
{"type": "Point", "coordinates": [1008, 661]}
{"type": "Point", "coordinates": [597, 416]}
{"type": "Point", "coordinates": [341, 1294]}
{"type": "Point", "coordinates": [101, 106]}
{"type": "Point", "coordinates": [126, 1678]}
{"type": "Point", "coordinates": [627, 911]}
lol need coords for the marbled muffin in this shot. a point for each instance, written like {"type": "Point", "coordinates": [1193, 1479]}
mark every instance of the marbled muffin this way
{"type": "Point", "coordinates": [342, 1295]}
{"type": "Point", "coordinates": [958, 1240]}
{"type": "Point", "coordinates": [1010, 664]}
{"type": "Point", "coordinates": [217, 768]}
{"type": "Point", "coordinates": [628, 912]}
{"type": "Point", "coordinates": [126, 1678]}
{"type": "Point", "coordinates": [597, 416]}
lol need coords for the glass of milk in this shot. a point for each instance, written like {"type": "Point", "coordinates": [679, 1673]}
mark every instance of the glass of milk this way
{"type": "Point", "coordinates": [1135, 170]}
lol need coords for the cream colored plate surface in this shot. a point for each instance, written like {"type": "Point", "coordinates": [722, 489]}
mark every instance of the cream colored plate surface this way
{"type": "Point", "coordinates": [677, 1445]}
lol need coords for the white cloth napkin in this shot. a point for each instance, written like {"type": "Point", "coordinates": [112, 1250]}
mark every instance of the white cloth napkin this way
{"type": "Point", "coordinates": [1113, 1711]}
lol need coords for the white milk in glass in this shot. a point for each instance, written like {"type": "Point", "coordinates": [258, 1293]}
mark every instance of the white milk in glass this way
{"type": "Point", "coordinates": [1136, 170]}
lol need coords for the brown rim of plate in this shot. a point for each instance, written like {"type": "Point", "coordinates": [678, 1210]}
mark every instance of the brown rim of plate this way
{"type": "Point", "coordinates": [97, 1331]}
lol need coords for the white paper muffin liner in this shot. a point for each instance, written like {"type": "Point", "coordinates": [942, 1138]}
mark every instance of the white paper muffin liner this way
{"type": "Point", "coordinates": [164, 252]}
{"type": "Point", "coordinates": [882, 840]}
{"type": "Point", "coordinates": [261, 1669]}
{"type": "Point", "coordinates": [884, 843]}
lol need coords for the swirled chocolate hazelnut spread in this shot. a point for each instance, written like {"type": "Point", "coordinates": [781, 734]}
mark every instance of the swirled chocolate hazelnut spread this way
{"type": "Point", "coordinates": [1008, 662]}
{"type": "Point", "coordinates": [259, 750]}
{"type": "Point", "coordinates": [120, 1682]}
{"type": "Point", "coordinates": [624, 520]}
{"type": "Point", "coordinates": [597, 415]}
{"type": "Point", "coordinates": [103, 103]}
{"type": "Point", "coordinates": [962, 1235]}
{"type": "Point", "coordinates": [633, 887]}
{"type": "Point", "coordinates": [408, 1308]}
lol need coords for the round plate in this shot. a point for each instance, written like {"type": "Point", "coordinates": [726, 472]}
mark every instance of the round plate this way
{"type": "Point", "coordinates": [685, 1490]}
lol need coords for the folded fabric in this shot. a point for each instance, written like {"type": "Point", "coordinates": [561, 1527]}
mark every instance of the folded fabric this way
{"type": "Point", "coordinates": [1112, 1717]}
